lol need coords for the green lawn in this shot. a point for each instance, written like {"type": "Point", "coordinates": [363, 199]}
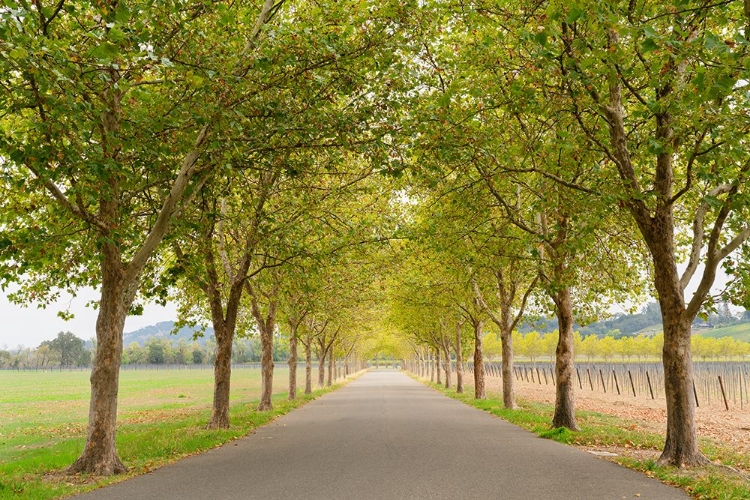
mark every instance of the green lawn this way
{"type": "Point", "coordinates": [161, 417]}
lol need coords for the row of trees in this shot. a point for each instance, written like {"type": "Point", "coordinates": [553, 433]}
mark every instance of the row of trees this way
{"type": "Point", "coordinates": [535, 346]}
{"type": "Point", "coordinates": [68, 351]}
{"type": "Point", "coordinates": [551, 156]}
{"type": "Point", "coordinates": [573, 154]}
{"type": "Point", "coordinates": [221, 155]}
{"type": "Point", "coordinates": [162, 351]}
{"type": "Point", "coordinates": [65, 350]}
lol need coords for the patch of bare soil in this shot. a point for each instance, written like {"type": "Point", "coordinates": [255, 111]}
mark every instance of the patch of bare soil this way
{"type": "Point", "coordinates": [729, 427]}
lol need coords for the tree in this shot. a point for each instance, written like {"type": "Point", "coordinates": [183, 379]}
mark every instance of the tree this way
{"type": "Point", "coordinates": [101, 138]}
{"type": "Point", "coordinates": [669, 127]}
{"type": "Point", "coordinates": [495, 134]}
{"type": "Point", "coordinates": [156, 351]}
{"type": "Point", "coordinates": [70, 350]}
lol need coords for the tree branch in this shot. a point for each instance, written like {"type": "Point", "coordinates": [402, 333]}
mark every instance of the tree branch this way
{"type": "Point", "coordinates": [698, 234]}
{"type": "Point", "coordinates": [161, 225]}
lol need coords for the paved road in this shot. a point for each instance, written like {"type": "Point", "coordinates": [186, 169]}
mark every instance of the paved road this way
{"type": "Point", "coordinates": [385, 436]}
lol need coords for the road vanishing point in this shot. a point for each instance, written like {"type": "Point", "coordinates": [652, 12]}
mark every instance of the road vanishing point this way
{"type": "Point", "coordinates": [386, 436]}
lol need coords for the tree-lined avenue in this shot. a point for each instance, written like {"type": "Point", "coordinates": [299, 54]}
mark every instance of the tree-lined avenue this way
{"type": "Point", "coordinates": [386, 436]}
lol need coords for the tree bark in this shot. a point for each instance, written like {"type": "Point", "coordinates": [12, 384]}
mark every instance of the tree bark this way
{"type": "Point", "coordinates": [564, 398]}
{"type": "Point", "coordinates": [509, 393]}
{"type": "Point", "coordinates": [266, 367]}
{"type": "Point", "coordinates": [479, 389]}
{"type": "Point", "coordinates": [308, 365]}
{"type": "Point", "coordinates": [447, 364]}
{"type": "Point", "coordinates": [459, 361]}
{"type": "Point", "coordinates": [681, 446]}
{"type": "Point", "coordinates": [266, 326]}
{"type": "Point", "coordinates": [100, 453]}
{"type": "Point", "coordinates": [222, 377]}
{"type": "Point", "coordinates": [331, 369]}
{"type": "Point", "coordinates": [292, 365]}
{"type": "Point", "coordinates": [437, 367]}
{"type": "Point", "coordinates": [321, 367]}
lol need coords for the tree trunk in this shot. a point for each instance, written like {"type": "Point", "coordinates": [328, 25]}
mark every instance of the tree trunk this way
{"type": "Point", "coordinates": [331, 368]}
{"type": "Point", "coordinates": [564, 369]}
{"type": "Point", "coordinates": [292, 365]}
{"type": "Point", "coordinates": [447, 365]}
{"type": "Point", "coordinates": [656, 224]}
{"type": "Point", "coordinates": [431, 367]}
{"type": "Point", "coordinates": [222, 377]}
{"type": "Point", "coordinates": [308, 365]}
{"type": "Point", "coordinates": [459, 362]}
{"type": "Point", "coordinates": [100, 453]}
{"type": "Point", "coordinates": [509, 394]}
{"type": "Point", "coordinates": [479, 390]}
{"type": "Point", "coordinates": [321, 368]}
{"type": "Point", "coordinates": [437, 367]}
{"type": "Point", "coordinates": [681, 446]}
{"type": "Point", "coordinates": [266, 367]}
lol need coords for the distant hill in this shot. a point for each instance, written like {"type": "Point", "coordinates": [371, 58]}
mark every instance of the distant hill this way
{"type": "Point", "coordinates": [642, 324]}
{"type": "Point", "coordinates": [739, 332]}
{"type": "Point", "coordinates": [162, 330]}
{"type": "Point", "coordinates": [625, 324]}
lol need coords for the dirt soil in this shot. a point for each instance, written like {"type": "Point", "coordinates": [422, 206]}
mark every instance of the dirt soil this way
{"type": "Point", "coordinates": [730, 427]}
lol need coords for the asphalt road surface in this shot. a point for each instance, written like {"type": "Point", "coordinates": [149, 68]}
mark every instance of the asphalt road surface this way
{"type": "Point", "coordinates": [385, 436]}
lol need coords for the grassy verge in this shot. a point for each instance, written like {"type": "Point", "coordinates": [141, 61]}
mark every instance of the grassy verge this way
{"type": "Point", "coordinates": [34, 454]}
{"type": "Point", "coordinates": [726, 478]}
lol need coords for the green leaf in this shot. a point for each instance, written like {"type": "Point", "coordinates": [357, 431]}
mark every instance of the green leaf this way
{"type": "Point", "coordinates": [712, 42]}
{"type": "Point", "coordinates": [541, 38]}
{"type": "Point", "coordinates": [648, 45]}
{"type": "Point", "coordinates": [713, 201]}
{"type": "Point", "coordinates": [575, 14]}
{"type": "Point", "coordinates": [18, 53]}
{"type": "Point", "coordinates": [106, 51]}
{"type": "Point", "coordinates": [123, 13]}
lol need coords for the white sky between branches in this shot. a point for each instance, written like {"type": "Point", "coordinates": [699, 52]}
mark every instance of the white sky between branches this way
{"type": "Point", "coordinates": [30, 326]}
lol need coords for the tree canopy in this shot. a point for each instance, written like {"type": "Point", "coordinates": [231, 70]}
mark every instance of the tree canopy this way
{"type": "Point", "coordinates": [372, 177]}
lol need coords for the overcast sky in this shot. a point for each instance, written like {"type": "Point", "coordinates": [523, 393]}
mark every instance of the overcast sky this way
{"type": "Point", "coordinates": [30, 326]}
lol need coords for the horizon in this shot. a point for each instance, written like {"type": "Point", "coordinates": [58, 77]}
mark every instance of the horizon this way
{"type": "Point", "coordinates": [30, 325]}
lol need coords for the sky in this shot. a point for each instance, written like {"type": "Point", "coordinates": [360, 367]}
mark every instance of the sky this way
{"type": "Point", "coordinates": [30, 326]}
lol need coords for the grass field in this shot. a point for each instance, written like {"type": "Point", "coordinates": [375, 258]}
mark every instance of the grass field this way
{"type": "Point", "coordinates": [739, 332]}
{"type": "Point", "coordinates": [161, 417]}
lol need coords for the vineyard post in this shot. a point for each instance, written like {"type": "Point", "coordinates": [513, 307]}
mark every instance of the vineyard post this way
{"type": "Point", "coordinates": [617, 384]}
{"type": "Point", "coordinates": [740, 381]}
{"type": "Point", "coordinates": [695, 395]}
{"type": "Point", "coordinates": [631, 382]}
{"type": "Point", "coordinates": [723, 393]}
